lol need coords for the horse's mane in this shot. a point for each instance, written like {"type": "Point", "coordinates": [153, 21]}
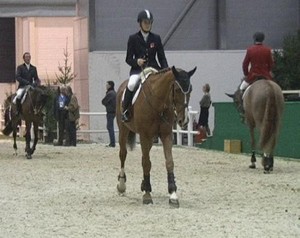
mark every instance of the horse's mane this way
{"type": "Point", "coordinates": [162, 71]}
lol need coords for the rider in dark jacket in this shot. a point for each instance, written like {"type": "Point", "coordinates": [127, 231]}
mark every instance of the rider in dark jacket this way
{"type": "Point", "coordinates": [26, 75]}
{"type": "Point", "coordinates": [142, 49]}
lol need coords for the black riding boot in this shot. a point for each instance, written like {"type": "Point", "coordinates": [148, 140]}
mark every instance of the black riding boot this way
{"type": "Point", "coordinates": [19, 106]}
{"type": "Point", "coordinates": [127, 101]}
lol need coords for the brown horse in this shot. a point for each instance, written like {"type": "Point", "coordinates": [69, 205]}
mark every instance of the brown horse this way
{"type": "Point", "coordinates": [31, 113]}
{"type": "Point", "coordinates": [263, 103]}
{"type": "Point", "coordinates": [153, 115]}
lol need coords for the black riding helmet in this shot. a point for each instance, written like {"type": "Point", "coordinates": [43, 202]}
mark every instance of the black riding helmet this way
{"type": "Point", "coordinates": [259, 37]}
{"type": "Point", "coordinates": [145, 15]}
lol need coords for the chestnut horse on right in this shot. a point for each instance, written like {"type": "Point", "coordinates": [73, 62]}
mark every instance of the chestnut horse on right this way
{"type": "Point", "coordinates": [263, 103]}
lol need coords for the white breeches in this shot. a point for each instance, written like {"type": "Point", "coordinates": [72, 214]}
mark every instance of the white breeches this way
{"type": "Point", "coordinates": [19, 94]}
{"type": "Point", "coordinates": [244, 85]}
{"type": "Point", "coordinates": [133, 79]}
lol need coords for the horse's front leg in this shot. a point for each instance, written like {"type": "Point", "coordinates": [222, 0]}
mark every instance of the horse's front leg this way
{"type": "Point", "coordinates": [36, 136]}
{"type": "Point", "coordinates": [146, 144]}
{"type": "Point", "coordinates": [28, 139]}
{"type": "Point", "coordinates": [172, 188]}
{"type": "Point", "coordinates": [15, 141]}
{"type": "Point", "coordinates": [123, 134]}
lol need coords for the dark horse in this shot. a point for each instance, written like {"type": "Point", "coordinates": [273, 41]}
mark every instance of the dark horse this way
{"type": "Point", "coordinates": [153, 115]}
{"type": "Point", "coordinates": [31, 113]}
{"type": "Point", "coordinates": [263, 103]}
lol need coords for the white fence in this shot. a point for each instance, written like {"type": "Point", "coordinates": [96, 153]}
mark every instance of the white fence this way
{"type": "Point", "coordinates": [179, 132]}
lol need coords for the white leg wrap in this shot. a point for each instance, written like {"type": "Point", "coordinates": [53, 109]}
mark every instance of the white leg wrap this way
{"type": "Point", "coordinates": [173, 196]}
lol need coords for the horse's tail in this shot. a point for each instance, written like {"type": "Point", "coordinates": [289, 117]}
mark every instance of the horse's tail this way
{"type": "Point", "coordinates": [270, 124]}
{"type": "Point", "coordinates": [8, 129]}
{"type": "Point", "coordinates": [7, 122]}
{"type": "Point", "coordinates": [131, 140]}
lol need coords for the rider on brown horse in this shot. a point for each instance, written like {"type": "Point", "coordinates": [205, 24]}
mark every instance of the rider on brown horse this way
{"type": "Point", "coordinates": [142, 49]}
{"type": "Point", "coordinates": [259, 57]}
{"type": "Point", "coordinates": [26, 75]}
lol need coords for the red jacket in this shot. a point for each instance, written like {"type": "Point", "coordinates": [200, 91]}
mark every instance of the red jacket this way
{"type": "Point", "coordinates": [261, 61]}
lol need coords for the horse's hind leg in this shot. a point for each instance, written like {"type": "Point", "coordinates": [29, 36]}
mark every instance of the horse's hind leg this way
{"type": "Point", "coordinates": [146, 145]}
{"type": "Point", "coordinates": [253, 145]}
{"type": "Point", "coordinates": [268, 163]}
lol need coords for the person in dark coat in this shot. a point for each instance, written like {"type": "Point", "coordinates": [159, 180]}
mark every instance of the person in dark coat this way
{"type": "Point", "coordinates": [142, 49]}
{"type": "Point", "coordinates": [109, 101]}
{"type": "Point", "coordinates": [205, 103]}
{"type": "Point", "coordinates": [72, 119]}
{"type": "Point", "coordinates": [26, 75]}
{"type": "Point", "coordinates": [61, 114]}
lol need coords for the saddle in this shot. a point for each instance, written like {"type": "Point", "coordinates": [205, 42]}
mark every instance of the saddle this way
{"type": "Point", "coordinates": [143, 77]}
{"type": "Point", "coordinates": [23, 97]}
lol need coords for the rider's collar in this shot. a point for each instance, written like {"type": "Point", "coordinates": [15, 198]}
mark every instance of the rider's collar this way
{"type": "Point", "coordinates": [145, 35]}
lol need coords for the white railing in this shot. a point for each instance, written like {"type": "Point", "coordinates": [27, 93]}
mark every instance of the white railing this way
{"type": "Point", "coordinates": [179, 132]}
{"type": "Point", "coordinates": [92, 114]}
{"type": "Point", "coordinates": [291, 92]}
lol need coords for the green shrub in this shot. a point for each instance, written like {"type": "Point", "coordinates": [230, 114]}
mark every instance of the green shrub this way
{"type": "Point", "coordinates": [287, 63]}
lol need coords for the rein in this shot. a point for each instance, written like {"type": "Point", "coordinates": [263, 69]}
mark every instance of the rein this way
{"type": "Point", "coordinates": [161, 114]}
{"type": "Point", "coordinates": [34, 109]}
{"type": "Point", "coordinates": [185, 105]}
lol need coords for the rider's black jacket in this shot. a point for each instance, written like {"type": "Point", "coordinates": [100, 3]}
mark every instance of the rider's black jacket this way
{"type": "Point", "coordinates": [138, 48]}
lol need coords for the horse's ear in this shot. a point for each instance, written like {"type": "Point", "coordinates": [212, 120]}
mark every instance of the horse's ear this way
{"type": "Point", "coordinates": [175, 72]}
{"type": "Point", "coordinates": [192, 72]}
{"type": "Point", "coordinates": [230, 95]}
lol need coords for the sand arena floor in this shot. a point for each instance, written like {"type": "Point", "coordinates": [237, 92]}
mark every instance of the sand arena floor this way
{"type": "Point", "coordinates": [71, 192]}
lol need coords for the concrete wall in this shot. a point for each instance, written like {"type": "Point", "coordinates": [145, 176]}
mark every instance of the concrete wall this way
{"type": "Point", "coordinates": [194, 24]}
{"type": "Point", "coordinates": [221, 69]}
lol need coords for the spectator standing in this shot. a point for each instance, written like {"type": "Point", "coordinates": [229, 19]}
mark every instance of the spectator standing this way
{"type": "Point", "coordinates": [205, 103]}
{"type": "Point", "coordinates": [73, 117]}
{"type": "Point", "coordinates": [61, 113]}
{"type": "Point", "coordinates": [109, 101]}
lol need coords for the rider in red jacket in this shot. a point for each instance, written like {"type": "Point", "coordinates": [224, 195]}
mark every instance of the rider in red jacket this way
{"type": "Point", "coordinates": [259, 57]}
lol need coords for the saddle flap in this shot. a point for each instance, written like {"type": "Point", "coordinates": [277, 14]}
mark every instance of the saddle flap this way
{"type": "Point", "coordinates": [143, 76]}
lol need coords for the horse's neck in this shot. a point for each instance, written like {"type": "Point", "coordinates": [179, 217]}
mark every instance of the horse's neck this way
{"type": "Point", "coordinates": [161, 85]}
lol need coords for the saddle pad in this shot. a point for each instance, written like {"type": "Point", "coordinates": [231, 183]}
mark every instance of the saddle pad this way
{"type": "Point", "coordinates": [246, 91]}
{"type": "Point", "coordinates": [143, 75]}
{"type": "Point", "coordinates": [25, 94]}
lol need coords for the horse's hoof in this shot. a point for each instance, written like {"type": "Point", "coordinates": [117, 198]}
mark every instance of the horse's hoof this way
{"type": "Point", "coordinates": [147, 199]}
{"type": "Point", "coordinates": [28, 156]}
{"type": "Point", "coordinates": [266, 171]}
{"type": "Point", "coordinates": [174, 203]}
{"type": "Point", "coordinates": [252, 166]}
{"type": "Point", "coordinates": [121, 189]}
